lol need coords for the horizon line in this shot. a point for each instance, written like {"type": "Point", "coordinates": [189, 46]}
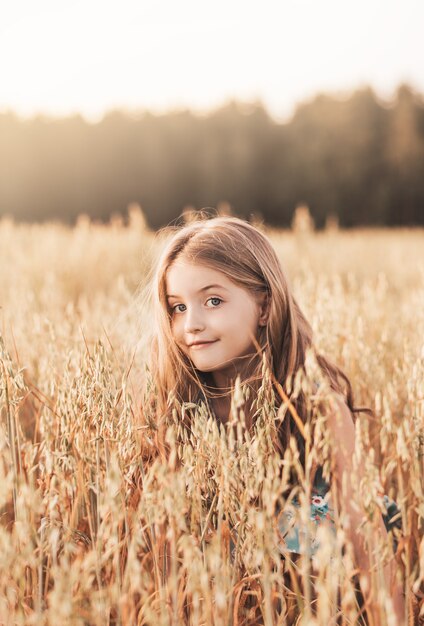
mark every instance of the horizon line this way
{"type": "Point", "coordinates": [201, 112]}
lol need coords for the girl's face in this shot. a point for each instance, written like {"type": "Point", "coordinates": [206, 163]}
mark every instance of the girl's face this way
{"type": "Point", "coordinates": [208, 307]}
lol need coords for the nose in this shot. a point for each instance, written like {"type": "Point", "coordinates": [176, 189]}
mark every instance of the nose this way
{"type": "Point", "coordinates": [193, 321]}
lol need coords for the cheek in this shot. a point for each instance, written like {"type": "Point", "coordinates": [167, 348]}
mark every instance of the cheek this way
{"type": "Point", "coordinates": [174, 329]}
{"type": "Point", "coordinates": [177, 330]}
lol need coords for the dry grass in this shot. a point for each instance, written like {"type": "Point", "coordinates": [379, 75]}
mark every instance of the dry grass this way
{"type": "Point", "coordinates": [96, 530]}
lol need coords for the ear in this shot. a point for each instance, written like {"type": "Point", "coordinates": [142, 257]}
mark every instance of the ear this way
{"type": "Point", "coordinates": [264, 304]}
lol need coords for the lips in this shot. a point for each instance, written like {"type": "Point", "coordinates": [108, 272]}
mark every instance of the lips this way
{"type": "Point", "coordinates": [202, 344]}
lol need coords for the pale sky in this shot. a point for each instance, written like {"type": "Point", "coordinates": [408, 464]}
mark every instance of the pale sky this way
{"type": "Point", "coordinates": [90, 56]}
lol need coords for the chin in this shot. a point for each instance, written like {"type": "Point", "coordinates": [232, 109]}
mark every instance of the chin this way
{"type": "Point", "coordinates": [206, 368]}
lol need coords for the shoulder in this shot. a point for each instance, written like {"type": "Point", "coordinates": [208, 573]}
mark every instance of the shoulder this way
{"type": "Point", "coordinates": [339, 416]}
{"type": "Point", "coordinates": [342, 433]}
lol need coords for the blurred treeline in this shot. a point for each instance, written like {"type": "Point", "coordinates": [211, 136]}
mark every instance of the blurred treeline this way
{"type": "Point", "coordinates": [359, 159]}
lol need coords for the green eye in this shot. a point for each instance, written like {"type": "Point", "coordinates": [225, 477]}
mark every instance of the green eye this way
{"type": "Point", "coordinates": [174, 308]}
{"type": "Point", "coordinates": [219, 300]}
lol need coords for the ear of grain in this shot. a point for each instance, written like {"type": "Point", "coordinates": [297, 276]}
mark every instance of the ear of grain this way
{"type": "Point", "coordinates": [97, 529]}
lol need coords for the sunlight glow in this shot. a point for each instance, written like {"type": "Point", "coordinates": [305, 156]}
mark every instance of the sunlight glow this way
{"type": "Point", "coordinates": [59, 58]}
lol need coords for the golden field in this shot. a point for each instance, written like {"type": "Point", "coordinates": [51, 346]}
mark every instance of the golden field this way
{"type": "Point", "coordinates": [95, 532]}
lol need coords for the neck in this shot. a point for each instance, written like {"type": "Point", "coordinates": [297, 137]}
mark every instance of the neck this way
{"type": "Point", "coordinates": [224, 379]}
{"type": "Point", "coordinates": [220, 384]}
{"type": "Point", "coordinates": [220, 402]}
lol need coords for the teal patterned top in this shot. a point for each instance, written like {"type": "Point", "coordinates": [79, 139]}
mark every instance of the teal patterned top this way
{"type": "Point", "coordinates": [293, 534]}
{"type": "Point", "coordinates": [321, 512]}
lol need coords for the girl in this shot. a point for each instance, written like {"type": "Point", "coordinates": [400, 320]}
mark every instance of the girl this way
{"type": "Point", "coordinates": [223, 305]}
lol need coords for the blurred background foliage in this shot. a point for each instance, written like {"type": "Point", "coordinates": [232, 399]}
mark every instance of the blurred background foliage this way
{"type": "Point", "coordinates": [359, 160]}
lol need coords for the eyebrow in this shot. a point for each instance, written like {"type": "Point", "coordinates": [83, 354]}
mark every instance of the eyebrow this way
{"type": "Point", "coordinates": [202, 289]}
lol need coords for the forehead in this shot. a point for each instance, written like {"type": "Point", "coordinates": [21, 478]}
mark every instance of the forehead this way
{"type": "Point", "coordinates": [184, 278]}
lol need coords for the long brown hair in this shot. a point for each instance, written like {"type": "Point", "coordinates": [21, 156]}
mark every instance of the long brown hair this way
{"type": "Point", "coordinates": [246, 256]}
